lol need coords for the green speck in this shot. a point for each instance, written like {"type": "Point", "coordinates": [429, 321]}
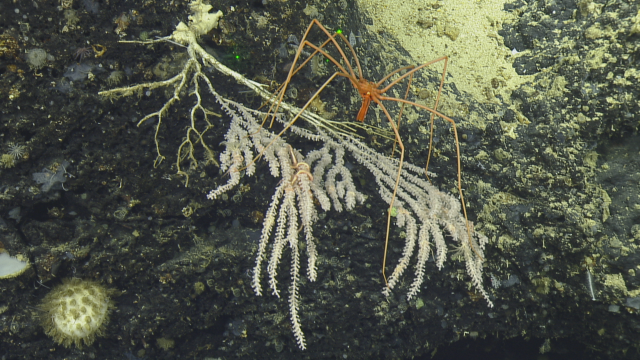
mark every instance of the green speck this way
{"type": "Point", "coordinates": [394, 212]}
{"type": "Point", "coordinates": [199, 287]}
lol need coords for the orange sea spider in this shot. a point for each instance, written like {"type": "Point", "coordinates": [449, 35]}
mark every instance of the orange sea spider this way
{"type": "Point", "coordinates": [370, 91]}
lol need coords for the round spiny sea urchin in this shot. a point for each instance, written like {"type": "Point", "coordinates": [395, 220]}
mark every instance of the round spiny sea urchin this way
{"type": "Point", "coordinates": [76, 311]}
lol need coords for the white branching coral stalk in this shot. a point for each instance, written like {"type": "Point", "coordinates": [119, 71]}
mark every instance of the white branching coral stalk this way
{"type": "Point", "coordinates": [303, 179]}
{"type": "Point", "coordinates": [419, 201]}
{"type": "Point", "coordinates": [427, 214]}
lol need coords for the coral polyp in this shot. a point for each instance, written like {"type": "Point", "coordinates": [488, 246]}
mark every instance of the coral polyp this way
{"type": "Point", "coordinates": [82, 53]}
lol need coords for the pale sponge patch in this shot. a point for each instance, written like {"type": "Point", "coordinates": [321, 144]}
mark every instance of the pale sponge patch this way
{"type": "Point", "coordinates": [200, 23]}
{"type": "Point", "coordinates": [11, 266]}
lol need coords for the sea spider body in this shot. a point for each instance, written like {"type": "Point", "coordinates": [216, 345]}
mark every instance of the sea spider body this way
{"type": "Point", "coordinates": [369, 92]}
